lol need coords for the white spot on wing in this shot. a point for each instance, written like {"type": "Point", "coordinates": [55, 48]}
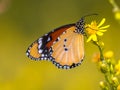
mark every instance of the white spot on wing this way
{"type": "Point", "coordinates": [46, 34]}
{"type": "Point", "coordinates": [41, 58]}
{"type": "Point", "coordinates": [48, 39]}
{"type": "Point", "coordinates": [64, 32]}
{"type": "Point", "coordinates": [45, 58]}
{"type": "Point", "coordinates": [42, 55]}
{"type": "Point", "coordinates": [28, 50]}
{"type": "Point", "coordinates": [40, 51]}
{"type": "Point", "coordinates": [40, 44]}
{"type": "Point", "coordinates": [27, 53]}
{"type": "Point", "coordinates": [40, 39]}
{"type": "Point", "coordinates": [58, 38]}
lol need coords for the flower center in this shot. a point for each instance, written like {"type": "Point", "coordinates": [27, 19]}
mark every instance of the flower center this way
{"type": "Point", "coordinates": [92, 29]}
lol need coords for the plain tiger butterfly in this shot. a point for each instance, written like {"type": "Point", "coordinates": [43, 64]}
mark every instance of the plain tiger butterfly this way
{"type": "Point", "coordinates": [64, 46]}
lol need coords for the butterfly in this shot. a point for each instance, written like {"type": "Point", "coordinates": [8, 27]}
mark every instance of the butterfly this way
{"type": "Point", "coordinates": [64, 46]}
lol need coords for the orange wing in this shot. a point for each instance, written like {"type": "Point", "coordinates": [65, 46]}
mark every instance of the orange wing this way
{"type": "Point", "coordinates": [64, 46]}
{"type": "Point", "coordinates": [68, 52]}
{"type": "Point", "coordinates": [39, 50]}
{"type": "Point", "coordinates": [32, 51]}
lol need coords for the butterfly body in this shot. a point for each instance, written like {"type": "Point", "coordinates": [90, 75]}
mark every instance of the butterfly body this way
{"type": "Point", "coordinates": [63, 46]}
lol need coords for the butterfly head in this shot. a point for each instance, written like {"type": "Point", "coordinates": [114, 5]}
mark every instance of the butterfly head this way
{"type": "Point", "coordinates": [80, 26]}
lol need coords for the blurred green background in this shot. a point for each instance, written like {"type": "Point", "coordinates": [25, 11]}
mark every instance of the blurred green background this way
{"type": "Point", "coordinates": [23, 21]}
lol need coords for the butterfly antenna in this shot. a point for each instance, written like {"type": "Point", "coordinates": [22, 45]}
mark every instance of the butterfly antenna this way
{"type": "Point", "coordinates": [89, 15]}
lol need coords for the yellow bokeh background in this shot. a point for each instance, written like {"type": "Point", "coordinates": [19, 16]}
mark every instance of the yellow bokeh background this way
{"type": "Point", "coordinates": [23, 21]}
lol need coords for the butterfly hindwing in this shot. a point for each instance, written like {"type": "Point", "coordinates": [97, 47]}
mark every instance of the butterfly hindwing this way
{"type": "Point", "coordinates": [68, 52]}
{"type": "Point", "coordinates": [32, 51]}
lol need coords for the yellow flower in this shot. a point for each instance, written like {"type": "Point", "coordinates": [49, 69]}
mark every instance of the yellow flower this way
{"type": "Point", "coordinates": [94, 30]}
{"type": "Point", "coordinates": [109, 54]}
{"type": "Point", "coordinates": [118, 88]}
{"type": "Point", "coordinates": [117, 67]}
{"type": "Point", "coordinates": [117, 15]}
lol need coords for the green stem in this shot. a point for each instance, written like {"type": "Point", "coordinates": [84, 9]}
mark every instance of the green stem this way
{"type": "Point", "coordinates": [107, 78]}
{"type": "Point", "coordinates": [100, 49]}
{"type": "Point", "coordinates": [101, 53]}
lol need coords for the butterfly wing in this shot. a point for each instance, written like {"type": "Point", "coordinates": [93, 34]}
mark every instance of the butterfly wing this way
{"type": "Point", "coordinates": [40, 49]}
{"type": "Point", "coordinates": [68, 51]}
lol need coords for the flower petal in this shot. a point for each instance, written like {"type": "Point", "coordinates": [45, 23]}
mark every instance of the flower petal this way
{"type": "Point", "coordinates": [89, 38]}
{"type": "Point", "coordinates": [102, 30]}
{"type": "Point", "coordinates": [99, 33]}
{"type": "Point", "coordinates": [101, 23]}
{"type": "Point", "coordinates": [94, 37]}
{"type": "Point", "coordinates": [104, 27]}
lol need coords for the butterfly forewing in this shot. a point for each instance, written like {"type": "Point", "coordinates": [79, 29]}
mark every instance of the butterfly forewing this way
{"type": "Point", "coordinates": [39, 50]}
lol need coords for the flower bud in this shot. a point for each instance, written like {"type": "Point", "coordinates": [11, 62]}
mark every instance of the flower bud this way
{"type": "Point", "coordinates": [115, 81]}
{"type": "Point", "coordinates": [103, 85]}
{"type": "Point", "coordinates": [104, 67]}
